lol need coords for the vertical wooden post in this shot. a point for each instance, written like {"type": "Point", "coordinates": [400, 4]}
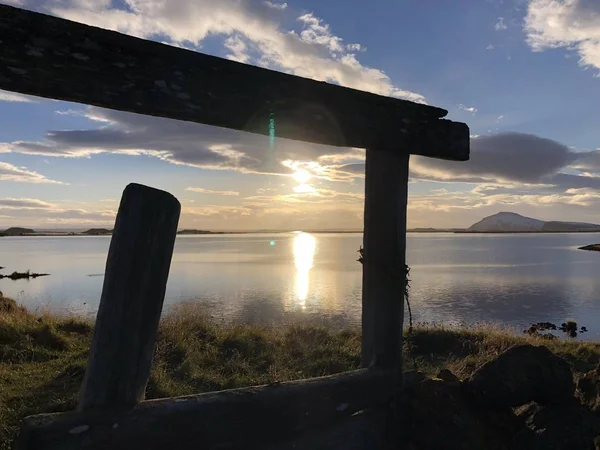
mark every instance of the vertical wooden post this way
{"type": "Point", "coordinates": [135, 281]}
{"type": "Point", "coordinates": [384, 256]}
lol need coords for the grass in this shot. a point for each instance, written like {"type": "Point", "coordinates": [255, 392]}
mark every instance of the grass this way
{"type": "Point", "coordinates": [42, 358]}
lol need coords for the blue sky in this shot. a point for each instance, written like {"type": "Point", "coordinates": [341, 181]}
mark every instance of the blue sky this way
{"type": "Point", "coordinates": [523, 75]}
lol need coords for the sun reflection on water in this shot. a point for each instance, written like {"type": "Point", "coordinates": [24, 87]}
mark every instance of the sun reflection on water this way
{"type": "Point", "coordinates": [304, 255]}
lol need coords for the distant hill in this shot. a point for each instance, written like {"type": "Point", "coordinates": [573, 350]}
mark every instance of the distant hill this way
{"type": "Point", "coordinates": [16, 231]}
{"type": "Point", "coordinates": [508, 222]}
{"type": "Point", "coordinates": [199, 232]}
{"type": "Point", "coordinates": [97, 231]}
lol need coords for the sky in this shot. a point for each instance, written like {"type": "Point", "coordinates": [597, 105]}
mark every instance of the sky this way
{"type": "Point", "coordinates": [523, 74]}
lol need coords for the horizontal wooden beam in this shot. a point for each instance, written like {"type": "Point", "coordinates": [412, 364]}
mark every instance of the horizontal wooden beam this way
{"type": "Point", "coordinates": [234, 419]}
{"type": "Point", "coordinates": [56, 58]}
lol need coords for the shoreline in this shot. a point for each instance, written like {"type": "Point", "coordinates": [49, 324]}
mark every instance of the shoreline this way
{"type": "Point", "coordinates": [221, 233]}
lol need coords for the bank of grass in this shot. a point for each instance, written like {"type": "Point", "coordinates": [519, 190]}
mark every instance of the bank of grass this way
{"type": "Point", "coordinates": [43, 357]}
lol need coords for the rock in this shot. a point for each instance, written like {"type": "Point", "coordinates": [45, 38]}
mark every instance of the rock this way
{"type": "Point", "coordinates": [597, 442]}
{"type": "Point", "coordinates": [438, 415]}
{"type": "Point", "coordinates": [558, 427]}
{"type": "Point", "coordinates": [447, 375]}
{"type": "Point", "coordinates": [523, 374]}
{"type": "Point", "coordinates": [588, 389]}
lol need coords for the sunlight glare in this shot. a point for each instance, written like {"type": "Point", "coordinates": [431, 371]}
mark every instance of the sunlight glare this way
{"type": "Point", "coordinates": [304, 189]}
{"type": "Point", "coordinates": [301, 176]}
{"type": "Point", "coordinates": [304, 254]}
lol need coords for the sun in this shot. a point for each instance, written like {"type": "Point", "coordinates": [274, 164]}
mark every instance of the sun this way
{"type": "Point", "coordinates": [302, 176]}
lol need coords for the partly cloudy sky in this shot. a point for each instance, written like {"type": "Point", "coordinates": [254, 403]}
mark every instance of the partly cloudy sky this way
{"type": "Point", "coordinates": [524, 75]}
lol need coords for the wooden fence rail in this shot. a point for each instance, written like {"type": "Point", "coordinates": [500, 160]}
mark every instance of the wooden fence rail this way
{"type": "Point", "coordinates": [233, 419]}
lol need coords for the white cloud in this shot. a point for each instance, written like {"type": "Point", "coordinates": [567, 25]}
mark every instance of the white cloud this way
{"type": "Point", "coordinates": [24, 203]}
{"type": "Point", "coordinates": [470, 109]}
{"type": "Point", "coordinates": [490, 47]}
{"type": "Point", "coordinates": [238, 49]}
{"type": "Point", "coordinates": [210, 191]}
{"type": "Point", "coordinates": [312, 51]}
{"type": "Point", "coordinates": [500, 25]}
{"type": "Point", "coordinates": [280, 6]}
{"type": "Point", "coordinates": [7, 96]}
{"type": "Point", "coordinates": [570, 24]}
{"type": "Point", "coordinates": [355, 48]}
{"type": "Point", "coordinates": [10, 172]}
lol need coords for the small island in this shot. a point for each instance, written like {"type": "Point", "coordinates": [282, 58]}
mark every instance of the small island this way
{"type": "Point", "coordinates": [23, 275]}
{"type": "Point", "coordinates": [592, 247]}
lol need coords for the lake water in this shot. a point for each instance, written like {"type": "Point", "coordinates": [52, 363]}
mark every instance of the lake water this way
{"type": "Point", "coordinates": [513, 279]}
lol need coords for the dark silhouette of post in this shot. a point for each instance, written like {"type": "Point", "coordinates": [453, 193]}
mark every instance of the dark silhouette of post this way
{"type": "Point", "coordinates": [135, 281]}
{"type": "Point", "coordinates": [384, 256]}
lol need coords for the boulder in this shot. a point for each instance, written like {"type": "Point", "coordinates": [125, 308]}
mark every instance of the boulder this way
{"type": "Point", "coordinates": [588, 389]}
{"type": "Point", "coordinates": [438, 415]}
{"type": "Point", "coordinates": [563, 427]}
{"type": "Point", "coordinates": [523, 374]}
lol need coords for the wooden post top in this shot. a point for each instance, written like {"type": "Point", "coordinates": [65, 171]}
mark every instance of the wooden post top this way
{"type": "Point", "coordinates": [60, 59]}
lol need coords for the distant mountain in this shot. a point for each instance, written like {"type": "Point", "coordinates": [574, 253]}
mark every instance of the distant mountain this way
{"type": "Point", "coordinates": [508, 222]}
{"type": "Point", "coordinates": [16, 231]}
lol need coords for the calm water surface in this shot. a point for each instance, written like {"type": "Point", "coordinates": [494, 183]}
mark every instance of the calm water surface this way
{"type": "Point", "coordinates": [275, 278]}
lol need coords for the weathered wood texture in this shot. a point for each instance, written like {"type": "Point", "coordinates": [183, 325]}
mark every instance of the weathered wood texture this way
{"type": "Point", "coordinates": [134, 287]}
{"type": "Point", "coordinates": [235, 419]}
{"type": "Point", "coordinates": [74, 62]}
{"type": "Point", "coordinates": [384, 256]}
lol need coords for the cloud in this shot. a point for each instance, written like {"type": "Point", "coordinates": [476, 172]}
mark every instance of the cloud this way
{"type": "Point", "coordinates": [490, 47]}
{"type": "Point", "coordinates": [355, 48]}
{"type": "Point", "coordinates": [470, 109]}
{"type": "Point", "coordinates": [24, 203]}
{"type": "Point", "coordinates": [508, 160]}
{"type": "Point", "coordinates": [7, 96]}
{"type": "Point", "coordinates": [511, 157]}
{"type": "Point", "coordinates": [209, 191]}
{"type": "Point", "coordinates": [238, 49]}
{"type": "Point", "coordinates": [36, 212]}
{"type": "Point", "coordinates": [500, 25]}
{"type": "Point", "coordinates": [187, 143]}
{"type": "Point", "coordinates": [570, 24]}
{"type": "Point", "coordinates": [9, 172]}
{"type": "Point", "coordinates": [275, 5]}
{"type": "Point", "coordinates": [308, 48]}
{"type": "Point", "coordinates": [61, 216]}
